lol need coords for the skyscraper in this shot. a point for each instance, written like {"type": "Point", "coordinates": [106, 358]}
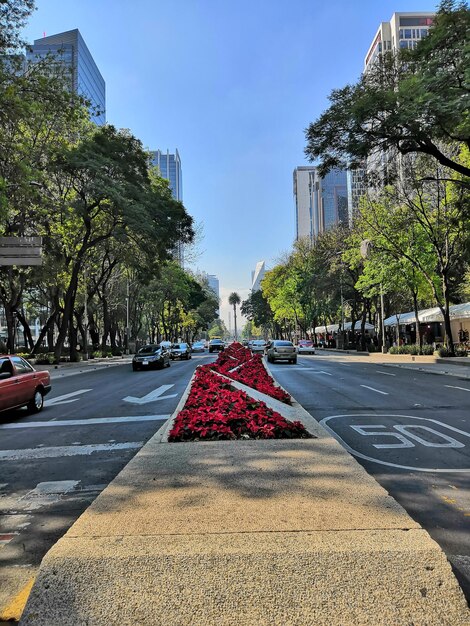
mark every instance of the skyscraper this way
{"type": "Point", "coordinates": [257, 276]}
{"type": "Point", "coordinates": [303, 208]}
{"type": "Point", "coordinates": [213, 282]}
{"type": "Point", "coordinates": [404, 30]}
{"type": "Point", "coordinates": [170, 168]}
{"type": "Point", "coordinates": [321, 201]}
{"type": "Point", "coordinates": [70, 50]}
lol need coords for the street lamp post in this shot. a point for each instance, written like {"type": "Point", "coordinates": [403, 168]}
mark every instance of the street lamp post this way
{"type": "Point", "coordinates": [127, 318]}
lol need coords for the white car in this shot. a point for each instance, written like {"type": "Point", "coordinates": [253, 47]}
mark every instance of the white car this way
{"type": "Point", "coordinates": [258, 345]}
{"type": "Point", "coordinates": [305, 346]}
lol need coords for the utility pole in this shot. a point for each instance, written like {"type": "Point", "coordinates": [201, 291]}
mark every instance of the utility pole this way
{"type": "Point", "coordinates": [384, 348]}
{"type": "Point", "coordinates": [127, 317]}
{"type": "Point", "coordinates": [85, 319]}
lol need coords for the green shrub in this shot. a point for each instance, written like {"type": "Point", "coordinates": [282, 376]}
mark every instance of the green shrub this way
{"type": "Point", "coordinates": [371, 348]}
{"type": "Point", "coordinates": [443, 352]}
{"type": "Point", "coordinates": [45, 359]}
{"type": "Point", "coordinates": [393, 350]}
{"type": "Point", "coordinates": [427, 349]}
{"type": "Point", "coordinates": [460, 352]}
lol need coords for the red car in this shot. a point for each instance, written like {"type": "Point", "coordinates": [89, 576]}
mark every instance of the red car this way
{"type": "Point", "coordinates": [21, 384]}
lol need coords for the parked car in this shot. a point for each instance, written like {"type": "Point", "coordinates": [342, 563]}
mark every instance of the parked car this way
{"type": "Point", "coordinates": [21, 384]}
{"type": "Point", "coordinates": [305, 346]}
{"type": "Point", "coordinates": [258, 345]}
{"type": "Point", "coordinates": [180, 351]}
{"type": "Point", "coordinates": [198, 346]}
{"type": "Point", "coordinates": [166, 344]}
{"type": "Point", "coordinates": [151, 355]}
{"type": "Point", "coordinates": [280, 350]}
{"type": "Point", "coordinates": [216, 345]}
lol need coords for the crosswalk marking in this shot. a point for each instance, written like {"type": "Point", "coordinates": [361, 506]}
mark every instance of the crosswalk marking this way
{"type": "Point", "coordinates": [86, 422]}
{"type": "Point", "coordinates": [64, 451]}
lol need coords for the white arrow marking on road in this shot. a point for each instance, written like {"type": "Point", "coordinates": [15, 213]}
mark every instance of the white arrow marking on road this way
{"type": "Point", "coordinates": [154, 395]}
{"type": "Point", "coordinates": [384, 393]}
{"type": "Point", "coordinates": [65, 398]}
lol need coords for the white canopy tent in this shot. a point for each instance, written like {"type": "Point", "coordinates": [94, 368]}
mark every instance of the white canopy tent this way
{"type": "Point", "coordinates": [427, 316]}
{"type": "Point", "coordinates": [334, 328]}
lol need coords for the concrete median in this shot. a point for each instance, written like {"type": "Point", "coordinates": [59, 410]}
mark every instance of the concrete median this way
{"type": "Point", "coordinates": [245, 533]}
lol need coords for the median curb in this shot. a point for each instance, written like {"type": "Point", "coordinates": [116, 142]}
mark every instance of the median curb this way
{"type": "Point", "coordinates": [245, 533]}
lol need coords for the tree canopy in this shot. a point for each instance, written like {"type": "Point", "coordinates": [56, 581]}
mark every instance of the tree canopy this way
{"type": "Point", "coordinates": [412, 101]}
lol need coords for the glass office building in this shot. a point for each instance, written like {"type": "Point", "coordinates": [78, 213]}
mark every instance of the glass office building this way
{"type": "Point", "coordinates": [170, 168]}
{"type": "Point", "coordinates": [329, 200]}
{"type": "Point", "coordinates": [70, 51]}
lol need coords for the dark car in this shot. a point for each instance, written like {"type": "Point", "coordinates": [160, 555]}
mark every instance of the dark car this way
{"type": "Point", "coordinates": [151, 355]}
{"type": "Point", "coordinates": [21, 384]}
{"type": "Point", "coordinates": [280, 350]}
{"type": "Point", "coordinates": [216, 345]}
{"type": "Point", "coordinates": [180, 351]}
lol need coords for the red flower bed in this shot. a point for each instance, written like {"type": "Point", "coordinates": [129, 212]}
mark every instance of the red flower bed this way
{"type": "Point", "coordinates": [214, 410]}
{"type": "Point", "coordinates": [247, 368]}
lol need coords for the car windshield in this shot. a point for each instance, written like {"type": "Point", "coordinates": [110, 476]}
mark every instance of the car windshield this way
{"type": "Point", "coordinates": [259, 343]}
{"type": "Point", "coordinates": [175, 346]}
{"type": "Point", "coordinates": [150, 349]}
{"type": "Point", "coordinates": [283, 343]}
{"type": "Point", "coordinates": [305, 343]}
{"type": "Point", "coordinates": [216, 341]}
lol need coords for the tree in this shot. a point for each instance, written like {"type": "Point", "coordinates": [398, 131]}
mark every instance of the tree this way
{"type": "Point", "coordinates": [415, 101]}
{"type": "Point", "coordinates": [420, 223]}
{"type": "Point", "coordinates": [13, 16]}
{"type": "Point", "coordinates": [233, 300]}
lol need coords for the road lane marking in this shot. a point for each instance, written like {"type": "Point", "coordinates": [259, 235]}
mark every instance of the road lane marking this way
{"type": "Point", "coordinates": [152, 396]}
{"type": "Point", "coordinates": [14, 609]}
{"type": "Point", "coordinates": [65, 398]}
{"type": "Point", "coordinates": [454, 387]}
{"type": "Point", "coordinates": [385, 373]}
{"type": "Point", "coordinates": [384, 393]}
{"type": "Point", "coordinates": [86, 422]}
{"type": "Point", "coordinates": [64, 451]}
{"type": "Point", "coordinates": [325, 420]}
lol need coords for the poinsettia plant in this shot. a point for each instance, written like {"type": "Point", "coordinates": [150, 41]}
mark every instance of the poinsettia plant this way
{"type": "Point", "coordinates": [215, 410]}
{"type": "Point", "coordinates": [240, 364]}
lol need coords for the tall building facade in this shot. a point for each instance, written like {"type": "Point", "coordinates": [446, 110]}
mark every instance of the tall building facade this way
{"type": "Point", "coordinates": [170, 168]}
{"type": "Point", "coordinates": [404, 30]}
{"type": "Point", "coordinates": [70, 50]}
{"type": "Point", "coordinates": [321, 202]}
{"type": "Point", "coordinates": [302, 202]}
{"type": "Point", "coordinates": [257, 276]}
{"type": "Point", "coordinates": [213, 282]}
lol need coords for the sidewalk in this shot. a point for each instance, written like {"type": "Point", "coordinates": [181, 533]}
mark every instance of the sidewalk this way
{"type": "Point", "coordinates": [246, 533]}
{"type": "Point", "coordinates": [64, 370]}
{"type": "Point", "coordinates": [458, 366]}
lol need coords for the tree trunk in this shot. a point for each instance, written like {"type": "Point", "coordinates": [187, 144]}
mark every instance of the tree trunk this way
{"type": "Point", "coordinates": [44, 331]}
{"type": "Point", "coordinates": [415, 307]}
{"type": "Point", "coordinates": [29, 343]}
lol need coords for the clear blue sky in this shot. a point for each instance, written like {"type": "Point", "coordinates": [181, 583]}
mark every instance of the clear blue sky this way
{"type": "Point", "coordinates": [232, 85]}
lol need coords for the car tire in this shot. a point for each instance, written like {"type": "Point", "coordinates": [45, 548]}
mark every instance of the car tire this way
{"type": "Point", "coordinates": [36, 404]}
{"type": "Point", "coordinates": [135, 368]}
{"type": "Point", "coordinates": [294, 361]}
{"type": "Point", "coordinates": [168, 364]}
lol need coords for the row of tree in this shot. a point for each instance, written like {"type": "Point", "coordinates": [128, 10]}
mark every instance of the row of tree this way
{"type": "Point", "coordinates": [109, 223]}
{"type": "Point", "coordinates": [410, 235]}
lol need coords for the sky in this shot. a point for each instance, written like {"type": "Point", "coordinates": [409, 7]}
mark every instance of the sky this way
{"type": "Point", "coordinates": [232, 86]}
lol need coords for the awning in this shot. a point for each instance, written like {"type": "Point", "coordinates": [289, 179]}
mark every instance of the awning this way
{"type": "Point", "coordinates": [426, 316]}
{"type": "Point", "coordinates": [334, 328]}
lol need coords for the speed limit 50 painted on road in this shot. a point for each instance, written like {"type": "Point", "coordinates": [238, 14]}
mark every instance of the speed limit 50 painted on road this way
{"type": "Point", "coordinates": [403, 441]}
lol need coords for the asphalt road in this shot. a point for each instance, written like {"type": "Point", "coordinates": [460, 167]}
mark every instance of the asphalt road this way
{"type": "Point", "coordinates": [409, 429]}
{"type": "Point", "coordinates": [55, 463]}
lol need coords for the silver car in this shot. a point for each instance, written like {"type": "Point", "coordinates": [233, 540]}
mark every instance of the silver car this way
{"type": "Point", "coordinates": [258, 345]}
{"type": "Point", "coordinates": [281, 350]}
